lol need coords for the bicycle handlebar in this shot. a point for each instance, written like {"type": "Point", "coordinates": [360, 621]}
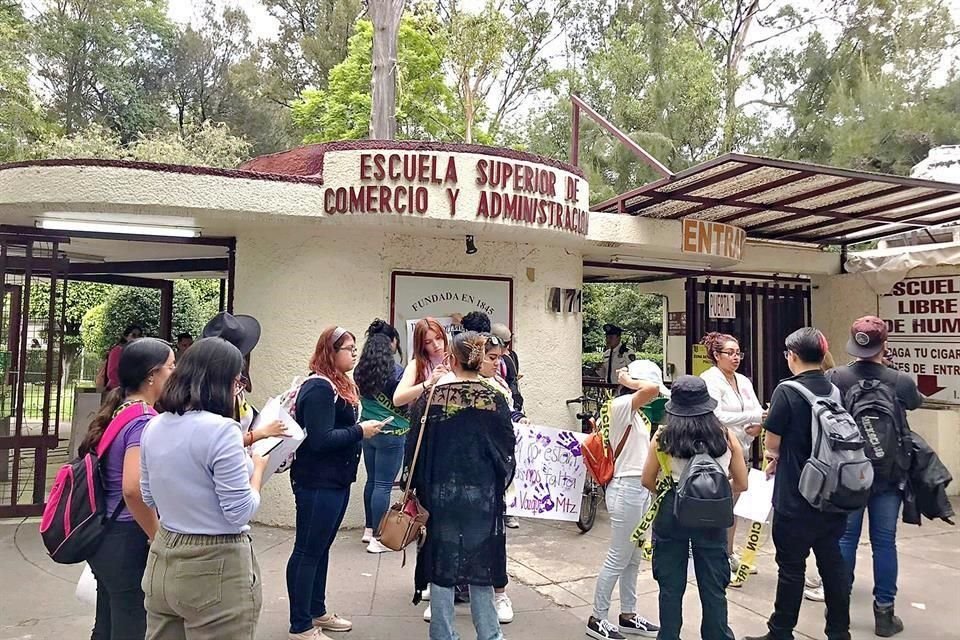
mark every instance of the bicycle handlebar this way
{"type": "Point", "coordinates": [576, 400]}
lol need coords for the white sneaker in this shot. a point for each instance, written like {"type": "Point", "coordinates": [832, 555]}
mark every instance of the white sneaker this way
{"type": "Point", "coordinates": [425, 594]}
{"type": "Point", "coordinates": [367, 535]}
{"type": "Point", "coordinates": [504, 608]}
{"type": "Point", "coordinates": [312, 634]}
{"type": "Point", "coordinates": [815, 594]}
{"type": "Point", "coordinates": [812, 582]}
{"type": "Point", "coordinates": [427, 614]}
{"type": "Point", "coordinates": [376, 546]}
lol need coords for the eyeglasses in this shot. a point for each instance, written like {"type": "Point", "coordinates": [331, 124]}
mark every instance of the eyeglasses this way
{"type": "Point", "coordinates": [734, 354]}
{"type": "Point", "coordinates": [352, 349]}
{"type": "Point", "coordinates": [786, 354]}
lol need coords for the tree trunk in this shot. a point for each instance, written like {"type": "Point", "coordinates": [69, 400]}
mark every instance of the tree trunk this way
{"type": "Point", "coordinates": [385, 15]}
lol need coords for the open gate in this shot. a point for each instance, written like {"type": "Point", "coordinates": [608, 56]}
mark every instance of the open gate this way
{"type": "Point", "coordinates": [765, 314]}
{"type": "Point", "coordinates": [30, 369]}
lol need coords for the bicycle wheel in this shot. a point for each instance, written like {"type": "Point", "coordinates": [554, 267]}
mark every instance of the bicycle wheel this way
{"type": "Point", "coordinates": [588, 504]}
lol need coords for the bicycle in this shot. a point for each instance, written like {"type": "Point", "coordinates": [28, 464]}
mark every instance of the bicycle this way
{"type": "Point", "coordinates": [593, 492]}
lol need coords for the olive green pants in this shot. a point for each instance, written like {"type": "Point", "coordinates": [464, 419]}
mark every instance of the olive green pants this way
{"type": "Point", "coordinates": [202, 587]}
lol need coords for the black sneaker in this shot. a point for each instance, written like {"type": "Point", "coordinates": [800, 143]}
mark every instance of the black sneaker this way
{"type": "Point", "coordinates": [638, 626]}
{"type": "Point", "coordinates": [603, 630]}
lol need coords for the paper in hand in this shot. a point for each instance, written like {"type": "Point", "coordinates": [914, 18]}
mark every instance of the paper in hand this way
{"type": "Point", "coordinates": [756, 502]}
{"type": "Point", "coordinates": [276, 449]}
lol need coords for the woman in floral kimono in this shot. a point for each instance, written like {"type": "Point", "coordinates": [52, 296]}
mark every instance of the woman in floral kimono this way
{"type": "Point", "coordinates": [465, 463]}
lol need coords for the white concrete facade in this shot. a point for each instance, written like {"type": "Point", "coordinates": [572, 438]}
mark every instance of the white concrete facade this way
{"type": "Point", "coordinates": [300, 268]}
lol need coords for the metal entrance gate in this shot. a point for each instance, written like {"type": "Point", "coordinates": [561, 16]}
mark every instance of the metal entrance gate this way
{"type": "Point", "coordinates": [766, 313]}
{"type": "Point", "coordinates": [30, 369]}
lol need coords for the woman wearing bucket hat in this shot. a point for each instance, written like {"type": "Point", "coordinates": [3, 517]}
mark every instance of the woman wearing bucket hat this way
{"type": "Point", "coordinates": [691, 427]}
{"type": "Point", "coordinates": [243, 332]}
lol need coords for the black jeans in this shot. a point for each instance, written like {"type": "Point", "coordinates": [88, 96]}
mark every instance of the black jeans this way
{"type": "Point", "coordinates": [671, 549]}
{"type": "Point", "coordinates": [794, 538]}
{"type": "Point", "coordinates": [319, 514]}
{"type": "Point", "coordinates": [118, 566]}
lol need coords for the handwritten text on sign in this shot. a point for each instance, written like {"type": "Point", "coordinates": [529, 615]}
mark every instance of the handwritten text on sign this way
{"type": "Point", "coordinates": [550, 474]}
{"type": "Point", "coordinates": [923, 325]}
{"type": "Point", "coordinates": [708, 238]}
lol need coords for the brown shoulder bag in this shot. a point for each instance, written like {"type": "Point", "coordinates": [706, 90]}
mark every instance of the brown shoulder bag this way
{"type": "Point", "coordinates": [406, 520]}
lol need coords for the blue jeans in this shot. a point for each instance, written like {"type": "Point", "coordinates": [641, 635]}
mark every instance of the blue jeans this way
{"type": "Point", "coordinates": [382, 457]}
{"type": "Point", "coordinates": [884, 511]}
{"type": "Point", "coordinates": [483, 610]}
{"type": "Point", "coordinates": [712, 566]}
{"type": "Point", "coordinates": [319, 514]}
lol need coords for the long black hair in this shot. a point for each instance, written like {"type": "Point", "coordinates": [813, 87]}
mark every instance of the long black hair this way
{"type": "Point", "coordinates": [138, 359]}
{"type": "Point", "coordinates": [376, 365]}
{"type": "Point", "coordinates": [381, 327]}
{"type": "Point", "coordinates": [682, 436]}
{"type": "Point", "coordinates": [205, 379]}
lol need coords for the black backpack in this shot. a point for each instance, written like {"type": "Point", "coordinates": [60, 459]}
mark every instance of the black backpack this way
{"type": "Point", "coordinates": [880, 418]}
{"type": "Point", "coordinates": [704, 497]}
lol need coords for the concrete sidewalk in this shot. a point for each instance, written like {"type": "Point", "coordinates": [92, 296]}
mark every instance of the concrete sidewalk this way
{"type": "Point", "coordinates": [553, 570]}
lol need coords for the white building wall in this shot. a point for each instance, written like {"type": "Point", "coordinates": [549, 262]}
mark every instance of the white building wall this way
{"type": "Point", "coordinates": [305, 277]}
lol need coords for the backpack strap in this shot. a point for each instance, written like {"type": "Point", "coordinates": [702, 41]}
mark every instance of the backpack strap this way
{"type": "Point", "coordinates": [122, 419]}
{"type": "Point", "coordinates": [810, 396]}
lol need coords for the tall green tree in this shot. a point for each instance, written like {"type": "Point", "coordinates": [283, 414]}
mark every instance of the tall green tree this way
{"type": "Point", "coordinates": [19, 118]}
{"type": "Point", "coordinates": [863, 98]}
{"type": "Point", "coordinates": [104, 61]}
{"type": "Point", "coordinates": [342, 110]}
{"type": "Point", "coordinates": [313, 39]}
{"type": "Point", "coordinates": [209, 145]}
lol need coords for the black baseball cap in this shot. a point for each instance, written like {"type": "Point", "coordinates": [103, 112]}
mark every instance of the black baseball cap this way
{"type": "Point", "coordinates": [867, 337]}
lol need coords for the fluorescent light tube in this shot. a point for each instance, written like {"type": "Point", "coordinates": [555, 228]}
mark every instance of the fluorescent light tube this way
{"type": "Point", "coordinates": [111, 227]}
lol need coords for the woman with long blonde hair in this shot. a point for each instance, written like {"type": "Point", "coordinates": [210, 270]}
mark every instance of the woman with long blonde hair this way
{"type": "Point", "coordinates": [328, 408]}
{"type": "Point", "coordinates": [426, 366]}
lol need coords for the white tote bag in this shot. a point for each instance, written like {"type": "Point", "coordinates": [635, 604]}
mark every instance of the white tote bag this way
{"type": "Point", "coordinates": [87, 587]}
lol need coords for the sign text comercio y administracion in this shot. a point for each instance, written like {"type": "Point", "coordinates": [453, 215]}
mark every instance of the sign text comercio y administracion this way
{"type": "Point", "coordinates": [490, 188]}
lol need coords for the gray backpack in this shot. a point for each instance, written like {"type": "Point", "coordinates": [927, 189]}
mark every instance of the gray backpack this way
{"type": "Point", "coordinates": [838, 476]}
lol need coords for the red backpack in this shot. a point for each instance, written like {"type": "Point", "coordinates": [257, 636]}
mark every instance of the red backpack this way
{"type": "Point", "coordinates": [598, 456]}
{"type": "Point", "coordinates": [75, 517]}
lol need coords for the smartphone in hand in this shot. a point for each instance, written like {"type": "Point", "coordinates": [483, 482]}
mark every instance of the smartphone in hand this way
{"type": "Point", "coordinates": [387, 421]}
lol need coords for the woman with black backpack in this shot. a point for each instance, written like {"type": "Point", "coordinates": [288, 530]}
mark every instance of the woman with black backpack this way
{"type": "Point", "coordinates": [682, 523]}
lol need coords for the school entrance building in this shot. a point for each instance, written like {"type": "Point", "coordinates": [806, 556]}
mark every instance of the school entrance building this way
{"type": "Point", "coordinates": [343, 233]}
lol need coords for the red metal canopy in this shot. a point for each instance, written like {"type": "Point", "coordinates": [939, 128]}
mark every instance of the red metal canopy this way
{"type": "Point", "coordinates": [794, 201]}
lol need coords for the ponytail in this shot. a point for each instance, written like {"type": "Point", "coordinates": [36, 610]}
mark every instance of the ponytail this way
{"type": "Point", "coordinates": [102, 420]}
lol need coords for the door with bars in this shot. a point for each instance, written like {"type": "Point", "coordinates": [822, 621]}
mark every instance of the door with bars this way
{"type": "Point", "coordinates": [31, 343]}
{"type": "Point", "coordinates": [764, 314]}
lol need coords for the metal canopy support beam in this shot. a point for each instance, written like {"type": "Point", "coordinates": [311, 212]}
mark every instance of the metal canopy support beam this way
{"type": "Point", "coordinates": [181, 265]}
{"type": "Point", "coordinates": [639, 151]}
{"type": "Point", "coordinates": [746, 193]}
{"type": "Point", "coordinates": [126, 281]}
{"type": "Point", "coordinates": [46, 236]}
{"type": "Point", "coordinates": [910, 219]}
{"type": "Point", "coordinates": [680, 273]}
{"type": "Point", "coordinates": [166, 310]}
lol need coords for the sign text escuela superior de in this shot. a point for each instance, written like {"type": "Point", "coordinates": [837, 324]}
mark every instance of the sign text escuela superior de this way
{"type": "Point", "coordinates": [471, 186]}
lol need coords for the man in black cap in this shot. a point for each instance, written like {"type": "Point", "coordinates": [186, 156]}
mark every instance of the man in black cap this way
{"type": "Point", "coordinates": [616, 357]}
{"type": "Point", "coordinates": [875, 395]}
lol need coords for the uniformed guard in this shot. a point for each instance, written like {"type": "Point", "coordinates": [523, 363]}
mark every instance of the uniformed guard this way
{"type": "Point", "coordinates": [617, 356]}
